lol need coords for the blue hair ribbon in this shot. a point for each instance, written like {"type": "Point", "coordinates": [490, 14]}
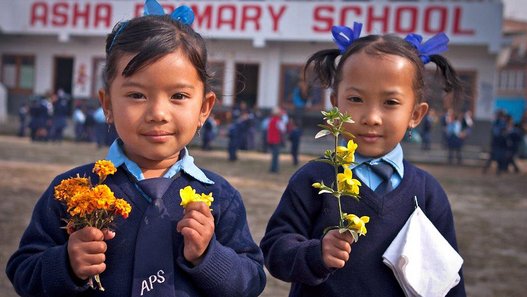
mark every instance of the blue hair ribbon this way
{"type": "Point", "coordinates": [344, 36]}
{"type": "Point", "coordinates": [182, 14]}
{"type": "Point", "coordinates": [121, 28]}
{"type": "Point", "coordinates": [433, 46]}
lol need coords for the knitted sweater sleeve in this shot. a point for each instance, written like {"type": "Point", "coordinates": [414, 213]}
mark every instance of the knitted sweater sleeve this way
{"type": "Point", "coordinates": [233, 264]}
{"type": "Point", "coordinates": [40, 266]}
{"type": "Point", "coordinates": [291, 253]}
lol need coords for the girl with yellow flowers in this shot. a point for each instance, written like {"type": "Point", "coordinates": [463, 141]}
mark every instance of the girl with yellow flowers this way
{"type": "Point", "coordinates": [157, 94]}
{"type": "Point", "coordinates": [378, 81]}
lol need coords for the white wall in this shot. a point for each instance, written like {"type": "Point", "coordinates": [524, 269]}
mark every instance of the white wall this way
{"type": "Point", "coordinates": [477, 58]}
{"type": "Point", "coordinates": [3, 104]}
{"type": "Point", "coordinates": [46, 48]}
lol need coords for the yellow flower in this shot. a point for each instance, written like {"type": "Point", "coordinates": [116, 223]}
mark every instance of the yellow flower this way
{"type": "Point", "coordinates": [347, 153]}
{"type": "Point", "coordinates": [206, 198]}
{"type": "Point", "coordinates": [316, 185]}
{"type": "Point", "coordinates": [357, 224]}
{"type": "Point", "coordinates": [188, 194]}
{"type": "Point", "coordinates": [346, 182]}
{"type": "Point", "coordinates": [103, 168]}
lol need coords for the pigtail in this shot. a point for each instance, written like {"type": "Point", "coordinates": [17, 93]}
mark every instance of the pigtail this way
{"type": "Point", "coordinates": [323, 65]}
{"type": "Point", "coordinates": [452, 81]}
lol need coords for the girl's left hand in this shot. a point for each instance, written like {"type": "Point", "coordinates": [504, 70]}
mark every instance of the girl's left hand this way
{"type": "Point", "coordinates": [197, 228]}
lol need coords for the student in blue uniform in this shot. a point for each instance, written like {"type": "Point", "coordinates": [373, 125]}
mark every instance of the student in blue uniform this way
{"type": "Point", "coordinates": [157, 93]}
{"type": "Point", "coordinates": [378, 80]}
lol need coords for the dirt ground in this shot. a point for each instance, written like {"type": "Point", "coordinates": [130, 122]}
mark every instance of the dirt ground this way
{"type": "Point", "coordinates": [490, 211]}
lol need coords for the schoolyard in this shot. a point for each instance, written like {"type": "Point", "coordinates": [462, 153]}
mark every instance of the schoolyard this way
{"type": "Point", "coordinates": [490, 211]}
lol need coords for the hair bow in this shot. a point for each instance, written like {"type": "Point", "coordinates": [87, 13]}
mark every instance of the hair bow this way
{"type": "Point", "coordinates": [344, 36]}
{"type": "Point", "coordinates": [435, 45]}
{"type": "Point", "coordinates": [183, 14]}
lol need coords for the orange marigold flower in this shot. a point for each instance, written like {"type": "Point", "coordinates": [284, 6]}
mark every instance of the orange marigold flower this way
{"type": "Point", "coordinates": [91, 205]}
{"type": "Point", "coordinates": [103, 197]}
{"type": "Point", "coordinates": [71, 186]}
{"type": "Point", "coordinates": [103, 168]}
{"type": "Point", "coordinates": [88, 204]}
{"type": "Point", "coordinates": [122, 208]}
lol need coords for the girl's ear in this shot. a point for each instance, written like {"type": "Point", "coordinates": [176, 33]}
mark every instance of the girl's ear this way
{"type": "Point", "coordinates": [104, 100]}
{"type": "Point", "coordinates": [333, 99]}
{"type": "Point", "coordinates": [418, 114]}
{"type": "Point", "coordinates": [206, 106]}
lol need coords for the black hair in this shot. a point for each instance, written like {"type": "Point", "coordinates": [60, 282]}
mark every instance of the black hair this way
{"type": "Point", "coordinates": [151, 38]}
{"type": "Point", "coordinates": [329, 71]}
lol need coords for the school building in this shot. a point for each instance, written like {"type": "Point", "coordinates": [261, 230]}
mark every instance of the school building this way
{"type": "Point", "coordinates": [256, 48]}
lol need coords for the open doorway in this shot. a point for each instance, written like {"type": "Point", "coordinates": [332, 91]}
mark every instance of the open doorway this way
{"type": "Point", "coordinates": [246, 84]}
{"type": "Point", "coordinates": [63, 74]}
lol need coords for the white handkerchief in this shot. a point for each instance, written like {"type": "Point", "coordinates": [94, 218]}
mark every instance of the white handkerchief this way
{"type": "Point", "coordinates": [423, 261]}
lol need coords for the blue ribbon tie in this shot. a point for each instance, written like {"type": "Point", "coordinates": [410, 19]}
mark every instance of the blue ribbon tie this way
{"type": "Point", "coordinates": [433, 46]}
{"type": "Point", "coordinates": [344, 36]}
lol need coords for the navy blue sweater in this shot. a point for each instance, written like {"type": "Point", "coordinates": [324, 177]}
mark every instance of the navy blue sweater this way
{"type": "Point", "coordinates": [292, 245]}
{"type": "Point", "coordinates": [233, 264]}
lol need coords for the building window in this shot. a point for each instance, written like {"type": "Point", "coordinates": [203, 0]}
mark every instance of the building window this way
{"type": "Point", "coordinates": [520, 80]}
{"type": "Point", "coordinates": [502, 84]}
{"type": "Point", "coordinates": [18, 72]}
{"type": "Point", "coordinates": [97, 81]}
{"type": "Point", "coordinates": [511, 80]}
{"type": "Point", "coordinates": [290, 75]}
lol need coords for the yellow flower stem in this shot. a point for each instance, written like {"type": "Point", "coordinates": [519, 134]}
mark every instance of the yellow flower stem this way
{"type": "Point", "coordinates": [341, 221]}
{"type": "Point", "coordinates": [336, 167]}
{"type": "Point", "coordinates": [98, 281]}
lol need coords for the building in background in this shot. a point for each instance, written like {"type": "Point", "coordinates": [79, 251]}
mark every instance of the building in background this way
{"type": "Point", "coordinates": [511, 87]}
{"type": "Point", "coordinates": [256, 48]}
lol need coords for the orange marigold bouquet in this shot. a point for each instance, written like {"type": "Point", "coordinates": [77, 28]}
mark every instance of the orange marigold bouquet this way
{"type": "Point", "coordinates": [91, 205]}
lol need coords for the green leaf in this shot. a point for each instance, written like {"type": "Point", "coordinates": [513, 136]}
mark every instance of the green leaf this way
{"type": "Point", "coordinates": [327, 229]}
{"type": "Point", "coordinates": [349, 194]}
{"type": "Point", "coordinates": [322, 133]}
{"type": "Point", "coordinates": [351, 136]}
{"type": "Point", "coordinates": [325, 161]}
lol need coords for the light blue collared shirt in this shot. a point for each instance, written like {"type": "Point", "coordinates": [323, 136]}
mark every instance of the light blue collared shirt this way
{"type": "Point", "coordinates": [372, 180]}
{"type": "Point", "coordinates": [185, 163]}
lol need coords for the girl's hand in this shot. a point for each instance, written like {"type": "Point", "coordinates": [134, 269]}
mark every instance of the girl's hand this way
{"type": "Point", "coordinates": [86, 248]}
{"type": "Point", "coordinates": [197, 228]}
{"type": "Point", "coordinates": [336, 248]}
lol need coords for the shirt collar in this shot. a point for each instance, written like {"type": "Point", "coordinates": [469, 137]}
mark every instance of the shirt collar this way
{"type": "Point", "coordinates": [394, 157]}
{"type": "Point", "coordinates": [185, 163]}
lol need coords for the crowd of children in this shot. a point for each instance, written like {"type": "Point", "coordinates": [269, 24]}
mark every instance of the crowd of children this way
{"type": "Point", "coordinates": [277, 130]}
{"type": "Point", "coordinates": [507, 142]}
{"type": "Point", "coordinates": [45, 116]}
